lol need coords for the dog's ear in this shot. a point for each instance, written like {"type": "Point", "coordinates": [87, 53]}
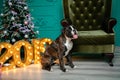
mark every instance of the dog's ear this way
{"type": "Point", "coordinates": [66, 22]}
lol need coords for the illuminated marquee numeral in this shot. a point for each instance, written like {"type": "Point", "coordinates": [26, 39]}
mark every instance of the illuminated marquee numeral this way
{"type": "Point", "coordinates": [28, 53]}
{"type": "Point", "coordinates": [7, 53]}
{"type": "Point", "coordinates": [36, 47]}
{"type": "Point", "coordinates": [39, 47]}
{"type": "Point", "coordinates": [31, 52]}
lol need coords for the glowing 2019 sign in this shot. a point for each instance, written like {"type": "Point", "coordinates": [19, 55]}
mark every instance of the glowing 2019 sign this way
{"type": "Point", "coordinates": [31, 52]}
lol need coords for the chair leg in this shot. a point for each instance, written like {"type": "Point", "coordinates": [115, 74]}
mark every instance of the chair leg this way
{"type": "Point", "coordinates": [109, 57]}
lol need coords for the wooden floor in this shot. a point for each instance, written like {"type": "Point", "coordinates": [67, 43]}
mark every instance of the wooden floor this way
{"type": "Point", "coordinates": [85, 70]}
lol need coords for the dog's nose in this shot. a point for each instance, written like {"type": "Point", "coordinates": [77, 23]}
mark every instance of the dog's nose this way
{"type": "Point", "coordinates": [75, 31]}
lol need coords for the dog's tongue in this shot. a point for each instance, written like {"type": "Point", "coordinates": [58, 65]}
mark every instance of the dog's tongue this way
{"type": "Point", "coordinates": [75, 36]}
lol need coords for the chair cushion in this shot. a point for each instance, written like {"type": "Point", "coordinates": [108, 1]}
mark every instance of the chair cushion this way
{"type": "Point", "coordinates": [88, 14]}
{"type": "Point", "coordinates": [94, 37]}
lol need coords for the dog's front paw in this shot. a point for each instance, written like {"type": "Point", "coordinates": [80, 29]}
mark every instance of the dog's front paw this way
{"type": "Point", "coordinates": [63, 69]}
{"type": "Point", "coordinates": [51, 70]}
{"type": "Point", "coordinates": [75, 67]}
{"type": "Point", "coordinates": [48, 68]}
{"type": "Point", "coordinates": [72, 66]}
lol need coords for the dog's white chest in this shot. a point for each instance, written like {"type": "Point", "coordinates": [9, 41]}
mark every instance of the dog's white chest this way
{"type": "Point", "coordinates": [69, 45]}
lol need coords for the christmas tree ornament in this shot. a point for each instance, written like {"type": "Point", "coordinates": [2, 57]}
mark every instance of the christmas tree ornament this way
{"type": "Point", "coordinates": [5, 32]}
{"type": "Point", "coordinates": [25, 7]}
{"type": "Point", "coordinates": [26, 22]}
{"type": "Point", "coordinates": [10, 4]}
{"type": "Point", "coordinates": [12, 18]}
{"type": "Point", "coordinates": [13, 40]}
{"type": "Point", "coordinates": [26, 36]}
{"type": "Point", "coordinates": [37, 32]}
{"type": "Point", "coordinates": [13, 12]}
{"type": "Point", "coordinates": [1, 14]}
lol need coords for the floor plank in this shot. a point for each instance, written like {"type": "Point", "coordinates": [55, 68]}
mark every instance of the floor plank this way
{"type": "Point", "coordinates": [85, 70]}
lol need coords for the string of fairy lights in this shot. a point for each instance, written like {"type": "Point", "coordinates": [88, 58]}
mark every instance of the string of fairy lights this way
{"type": "Point", "coordinates": [31, 52]}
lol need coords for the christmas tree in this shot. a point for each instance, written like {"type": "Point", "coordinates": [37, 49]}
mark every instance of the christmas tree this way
{"type": "Point", "coordinates": [16, 22]}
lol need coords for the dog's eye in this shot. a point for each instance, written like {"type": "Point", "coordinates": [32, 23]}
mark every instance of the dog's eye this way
{"type": "Point", "coordinates": [70, 28]}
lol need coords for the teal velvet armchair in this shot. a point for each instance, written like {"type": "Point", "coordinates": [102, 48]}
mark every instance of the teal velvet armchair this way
{"type": "Point", "coordinates": [94, 24]}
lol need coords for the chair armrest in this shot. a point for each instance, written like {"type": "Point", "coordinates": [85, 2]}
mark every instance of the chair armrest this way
{"type": "Point", "coordinates": [109, 24]}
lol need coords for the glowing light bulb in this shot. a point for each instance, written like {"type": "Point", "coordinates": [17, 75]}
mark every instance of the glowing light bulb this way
{"type": "Point", "coordinates": [29, 47]}
{"type": "Point", "coordinates": [37, 47]}
{"type": "Point", "coordinates": [6, 58]}
{"type": "Point", "coordinates": [17, 56]}
{"type": "Point", "coordinates": [37, 42]}
{"type": "Point", "coordinates": [2, 46]}
{"type": "Point", "coordinates": [17, 49]}
{"type": "Point", "coordinates": [31, 54]}
{"type": "Point", "coordinates": [38, 57]}
{"type": "Point", "coordinates": [9, 46]}
{"type": "Point", "coordinates": [11, 52]}
{"type": "Point", "coordinates": [23, 43]}
{"type": "Point", "coordinates": [18, 62]}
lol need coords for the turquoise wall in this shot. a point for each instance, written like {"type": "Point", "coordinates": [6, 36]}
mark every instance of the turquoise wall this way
{"type": "Point", "coordinates": [48, 13]}
{"type": "Point", "coordinates": [1, 4]}
{"type": "Point", "coordinates": [116, 14]}
{"type": "Point", "coordinates": [47, 16]}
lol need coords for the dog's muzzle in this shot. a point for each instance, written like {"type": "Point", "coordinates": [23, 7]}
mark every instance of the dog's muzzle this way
{"type": "Point", "coordinates": [75, 36]}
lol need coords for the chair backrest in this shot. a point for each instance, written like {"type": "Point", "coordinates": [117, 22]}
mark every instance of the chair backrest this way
{"type": "Point", "coordinates": [87, 14]}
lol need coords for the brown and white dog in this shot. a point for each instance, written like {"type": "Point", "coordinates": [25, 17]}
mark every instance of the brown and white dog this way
{"type": "Point", "coordinates": [60, 47]}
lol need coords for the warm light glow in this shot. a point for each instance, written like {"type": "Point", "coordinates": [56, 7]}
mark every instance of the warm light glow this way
{"type": "Point", "coordinates": [36, 52]}
{"type": "Point", "coordinates": [17, 49]}
{"type": "Point", "coordinates": [17, 56]}
{"type": "Point", "coordinates": [11, 52]}
{"type": "Point", "coordinates": [31, 52]}
{"type": "Point", "coordinates": [30, 60]}
{"type": "Point", "coordinates": [22, 43]}
{"type": "Point", "coordinates": [27, 50]}
{"type": "Point", "coordinates": [14, 67]}
{"type": "Point", "coordinates": [7, 58]}
{"type": "Point", "coordinates": [18, 62]}
{"type": "Point", "coordinates": [1, 46]}
{"type": "Point", "coordinates": [38, 58]}
{"type": "Point", "coordinates": [43, 43]}
{"type": "Point", "coordinates": [11, 66]}
{"type": "Point", "coordinates": [6, 55]}
{"type": "Point", "coordinates": [39, 46]}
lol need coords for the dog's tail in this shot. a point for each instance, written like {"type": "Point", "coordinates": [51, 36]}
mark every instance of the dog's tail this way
{"type": "Point", "coordinates": [41, 53]}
